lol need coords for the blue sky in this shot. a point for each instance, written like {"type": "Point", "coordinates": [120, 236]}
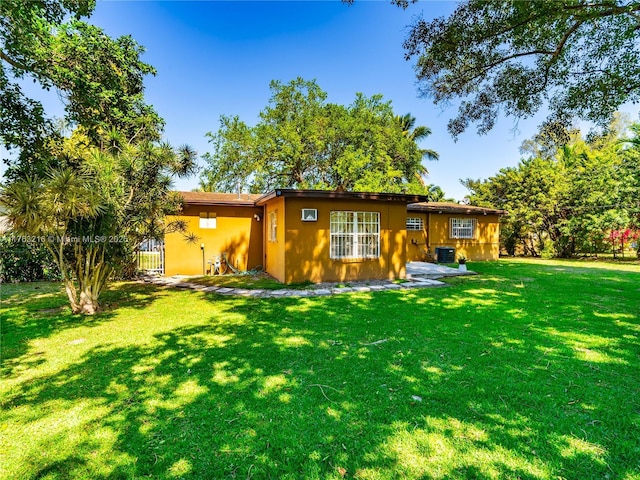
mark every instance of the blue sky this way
{"type": "Point", "coordinates": [217, 58]}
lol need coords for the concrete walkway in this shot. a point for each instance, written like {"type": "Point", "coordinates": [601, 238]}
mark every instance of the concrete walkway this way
{"type": "Point", "coordinates": [419, 275]}
{"type": "Point", "coordinates": [432, 270]}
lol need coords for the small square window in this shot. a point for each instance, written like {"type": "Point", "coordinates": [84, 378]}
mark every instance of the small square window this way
{"type": "Point", "coordinates": [414, 223]}
{"type": "Point", "coordinates": [208, 220]}
{"type": "Point", "coordinates": [309, 215]}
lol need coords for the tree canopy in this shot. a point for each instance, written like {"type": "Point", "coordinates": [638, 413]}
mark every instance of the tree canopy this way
{"type": "Point", "coordinates": [94, 206]}
{"type": "Point", "coordinates": [579, 59]}
{"type": "Point", "coordinates": [568, 199]}
{"type": "Point", "coordinates": [99, 78]}
{"type": "Point", "coordinates": [302, 141]}
{"type": "Point", "coordinates": [89, 197]}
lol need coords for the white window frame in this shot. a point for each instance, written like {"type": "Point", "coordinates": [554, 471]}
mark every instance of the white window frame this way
{"type": "Point", "coordinates": [305, 215]}
{"type": "Point", "coordinates": [273, 226]}
{"type": "Point", "coordinates": [415, 224]}
{"type": "Point", "coordinates": [208, 220]}
{"type": "Point", "coordinates": [354, 235]}
{"type": "Point", "coordinates": [462, 228]}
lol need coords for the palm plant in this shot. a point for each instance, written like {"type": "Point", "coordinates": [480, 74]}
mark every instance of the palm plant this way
{"type": "Point", "coordinates": [93, 211]}
{"type": "Point", "coordinates": [417, 133]}
{"type": "Point", "coordinates": [421, 132]}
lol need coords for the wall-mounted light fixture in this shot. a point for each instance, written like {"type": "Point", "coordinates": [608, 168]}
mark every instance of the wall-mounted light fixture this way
{"type": "Point", "coordinates": [257, 217]}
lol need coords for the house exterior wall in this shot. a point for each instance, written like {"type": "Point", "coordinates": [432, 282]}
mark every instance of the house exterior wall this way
{"type": "Point", "coordinates": [237, 233]}
{"type": "Point", "coordinates": [417, 247]}
{"type": "Point", "coordinates": [307, 244]}
{"type": "Point", "coordinates": [274, 252]}
{"type": "Point", "coordinates": [301, 250]}
{"type": "Point", "coordinates": [484, 246]}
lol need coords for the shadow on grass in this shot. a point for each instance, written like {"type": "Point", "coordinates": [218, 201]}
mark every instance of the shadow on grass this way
{"type": "Point", "coordinates": [495, 378]}
{"type": "Point", "coordinates": [30, 311]}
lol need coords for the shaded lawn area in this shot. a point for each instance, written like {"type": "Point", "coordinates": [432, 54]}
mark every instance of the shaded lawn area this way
{"type": "Point", "coordinates": [529, 370]}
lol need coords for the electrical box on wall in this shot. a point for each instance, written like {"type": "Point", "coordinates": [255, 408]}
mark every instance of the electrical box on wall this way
{"type": "Point", "coordinates": [309, 215]}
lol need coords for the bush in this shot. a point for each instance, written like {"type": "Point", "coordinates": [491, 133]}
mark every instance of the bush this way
{"type": "Point", "coordinates": [23, 261]}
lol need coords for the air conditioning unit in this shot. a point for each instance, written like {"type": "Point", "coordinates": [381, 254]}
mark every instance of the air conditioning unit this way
{"type": "Point", "coordinates": [309, 215]}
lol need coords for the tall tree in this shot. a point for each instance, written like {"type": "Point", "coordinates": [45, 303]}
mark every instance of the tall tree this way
{"type": "Point", "coordinates": [100, 79]}
{"type": "Point", "coordinates": [630, 172]}
{"type": "Point", "coordinates": [301, 141]}
{"type": "Point", "coordinates": [594, 202]}
{"type": "Point", "coordinates": [94, 207]}
{"type": "Point", "coordinates": [417, 133]}
{"type": "Point", "coordinates": [91, 197]}
{"type": "Point", "coordinates": [580, 59]}
{"type": "Point", "coordinates": [530, 194]}
{"type": "Point", "coordinates": [567, 203]}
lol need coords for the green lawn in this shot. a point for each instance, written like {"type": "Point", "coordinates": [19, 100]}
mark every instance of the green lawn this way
{"type": "Point", "coordinates": [530, 370]}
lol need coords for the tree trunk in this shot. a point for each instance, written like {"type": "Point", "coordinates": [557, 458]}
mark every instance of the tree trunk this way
{"type": "Point", "coordinates": [88, 304]}
{"type": "Point", "coordinates": [70, 288]}
{"type": "Point", "coordinates": [84, 300]}
{"type": "Point", "coordinates": [91, 276]}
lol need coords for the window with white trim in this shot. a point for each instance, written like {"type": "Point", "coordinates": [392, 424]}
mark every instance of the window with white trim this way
{"type": "Point", "coordinates": [462, 227]}
{"type": "Point", "coordinates": [273, 226]}
{"type": "Point", "coordinates": [414, 223]}
{"type": "Point", "coordinates": [208, 220]}
{"type": "Point", "coordinates": [354, 234]}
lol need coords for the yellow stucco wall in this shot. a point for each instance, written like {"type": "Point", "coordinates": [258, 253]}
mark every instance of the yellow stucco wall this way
{"type": "Point", "coordinates": [485, 245]}
{"type": "Point", "coordinates": [302, 249]}
{"type": "Point", "coordinates": [307, 244]}
{"type": "Point", "coordinates": [274, 252]}
{"type": "Point", "coordinates": [237, 233]}
{"type": "Point", "coordinates": [417, 240]}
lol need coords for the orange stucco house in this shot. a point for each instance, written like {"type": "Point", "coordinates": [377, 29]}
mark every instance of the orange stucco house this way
{"type": "Point", "coordinates": [324, 236]}
{"type": "Point", "coordinates": [474, 232]}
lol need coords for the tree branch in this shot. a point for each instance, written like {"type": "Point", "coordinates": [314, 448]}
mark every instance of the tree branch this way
{"type": "Point", "coordinates": [552, 53]}
{"type": "Point", "coordinates": [12, 62]}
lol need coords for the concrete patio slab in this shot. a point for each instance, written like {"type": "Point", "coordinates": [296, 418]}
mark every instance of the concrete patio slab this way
{"type": "Point", "coordinates": [433, 270]}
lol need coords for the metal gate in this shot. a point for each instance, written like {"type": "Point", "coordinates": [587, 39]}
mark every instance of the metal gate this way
{"type": "Point", "coordinates": [150, 257]}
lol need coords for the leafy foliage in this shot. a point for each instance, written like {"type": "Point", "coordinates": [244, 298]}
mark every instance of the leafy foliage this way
{"type": "Point", "coordinates": [569, 201]}
{"type": "Point", "coordinates": [581, 59]}
{"type": "Point", "coordinates": [89, 198]}
{"type": "Point", "coordinates": [619, 238]}
{"type": "Point", "coordinates": [100, 79]}
{"type": "Point", "coordinates": [23, 260]}
{"type": "Point", "coordinates": [301, 141]}
{"type": "Point", "coordinates": [93, 210]}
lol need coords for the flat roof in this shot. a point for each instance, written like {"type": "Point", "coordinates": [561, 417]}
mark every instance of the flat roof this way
{"type": "Point", "coordinates": [449, 207]}
{"type": "Point", "coordinates": [342, 195]}
{"type": "Point", "coordinates": [220, 199]}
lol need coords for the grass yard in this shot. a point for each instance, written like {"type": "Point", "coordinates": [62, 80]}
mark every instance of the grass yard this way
{"type": "Point", "coordinates": [530, 370]}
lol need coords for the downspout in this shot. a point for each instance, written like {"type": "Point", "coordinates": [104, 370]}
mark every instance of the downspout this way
{"type": "Point", "coordinates": [429, 234]}
{"type": "Point", "coordinates": [389, 249]}
{"type": "Point", "coordinates": [264, 236]}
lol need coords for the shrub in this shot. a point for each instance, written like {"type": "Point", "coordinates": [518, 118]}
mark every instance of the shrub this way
{"type": "Point", "coordinates": [23, 261]}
